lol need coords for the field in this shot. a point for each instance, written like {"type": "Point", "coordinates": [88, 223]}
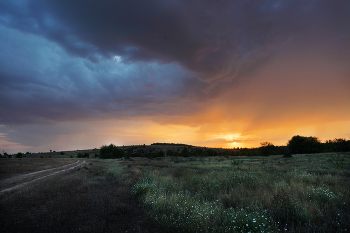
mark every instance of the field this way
{"type": "Point", "coordinates": [305, 193]}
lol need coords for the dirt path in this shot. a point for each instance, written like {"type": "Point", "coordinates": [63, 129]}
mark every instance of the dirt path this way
{"type": "Point", "coordinates": [26, 179]}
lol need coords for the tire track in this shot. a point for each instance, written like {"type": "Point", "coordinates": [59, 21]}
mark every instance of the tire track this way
{"type": "Point", "coordinates": [23, 180]}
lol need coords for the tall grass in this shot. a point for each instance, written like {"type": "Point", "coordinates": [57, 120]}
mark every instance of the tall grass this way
{"type": "Point", "coordinates": [288, 195]}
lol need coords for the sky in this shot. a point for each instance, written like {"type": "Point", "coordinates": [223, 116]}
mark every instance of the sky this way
{"type": "Point", "coordinates": [227, 73]}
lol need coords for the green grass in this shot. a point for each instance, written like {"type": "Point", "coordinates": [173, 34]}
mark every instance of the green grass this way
{"type": "Point", "coordinates": [305, 193]}
{"type": "Point", "coordinates": [300, 194]}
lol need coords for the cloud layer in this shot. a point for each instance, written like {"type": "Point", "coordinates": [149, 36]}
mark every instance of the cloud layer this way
{"type": "Point", "coordinates": [244, 64]}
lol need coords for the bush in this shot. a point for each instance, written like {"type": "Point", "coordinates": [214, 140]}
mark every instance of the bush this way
{"type": "Point", "coordinates": [236, 162]}
{"type": "Point", "coordinates": [299, 145]}
{"type": "Point", "coordinates": [285, 151]}
{"type": "Point", "coordinates": [267, 148]}
{"type": "Point", "coordinates": [337, 145]}
{"type": "Point", "coordinates": [111, 152]}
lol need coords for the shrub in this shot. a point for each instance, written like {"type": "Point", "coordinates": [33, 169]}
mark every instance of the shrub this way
{"type": "Point", "coordinates": [337, 145]}
{"type": "Point", "coordinates": [144, 186]}
{"type": "Point", "coordinates": [267, 148]}
{"type": "Point", "coordinates": [285, 151]}
{"type": "Point", "coordinates": [236, 162]}
{"type": "Point", "coordinates": [111, 152]}
{"type": "Point", "coordinates": [299, 144]}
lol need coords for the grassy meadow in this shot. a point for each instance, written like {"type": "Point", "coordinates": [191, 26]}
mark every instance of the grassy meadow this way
{"type": "Point", "coordinates": [305, 193]}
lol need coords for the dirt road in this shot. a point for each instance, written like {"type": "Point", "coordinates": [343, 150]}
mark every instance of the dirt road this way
{"type": "Point", "coordinates": [19, 181]}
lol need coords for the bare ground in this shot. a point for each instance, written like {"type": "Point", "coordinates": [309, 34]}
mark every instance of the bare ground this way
{"type": "Point", "coordinates": [22, 180]}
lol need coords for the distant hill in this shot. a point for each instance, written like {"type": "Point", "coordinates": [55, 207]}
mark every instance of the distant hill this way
{"type": "Point", "coordinates": [154, 150]}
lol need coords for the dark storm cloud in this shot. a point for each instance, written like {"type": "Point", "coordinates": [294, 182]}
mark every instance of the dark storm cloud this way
{"type": "Point", "coordinates": [212, 38]}
{"type": "Point", "coordinates": [171, 51]}
{"type": "Point", "coordinates": [39, 81]}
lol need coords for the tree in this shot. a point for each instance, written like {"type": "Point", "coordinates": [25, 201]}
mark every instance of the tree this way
{"type": "Point", "coordinates": [267, 148]}
{"type": "Point", "coordinates": [111, 152]}
{"type": "Point", "coordinates": [337, 145]}
{"type": "Point", "coordinates": [19, 155]}
{"type": "Point", "coordinates": [299, 144]}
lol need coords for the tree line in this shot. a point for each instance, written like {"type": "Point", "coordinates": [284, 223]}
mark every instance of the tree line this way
{"type": "Point", "coordinates": [296, 145]}
{"type": "Point", "coordinates": [299, 145]}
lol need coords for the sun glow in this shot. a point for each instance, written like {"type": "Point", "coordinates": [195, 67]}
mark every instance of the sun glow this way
{"type": "Point", "coordinates": [228, 137]}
